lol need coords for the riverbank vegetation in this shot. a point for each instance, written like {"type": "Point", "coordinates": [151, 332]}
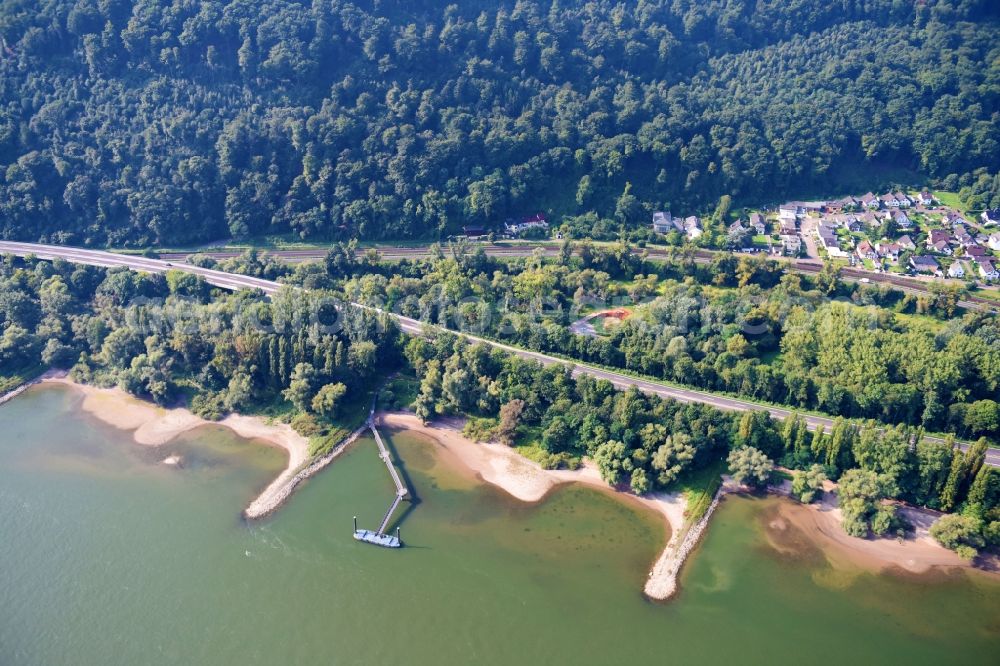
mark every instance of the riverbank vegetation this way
{"type": "Point", "coordinates": [151, 122]}
{"type": "Point", "coordinates": [171, 338]}
{"type": "Point", "coordinates": [740, 326]}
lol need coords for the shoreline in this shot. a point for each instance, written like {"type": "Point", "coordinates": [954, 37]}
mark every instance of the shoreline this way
{"type": "Point", "coordinates": [503, 467]}
{"type": "Point", "coordinates": [822, 524]}
{"type": "Point", "coordinates": [49, 375]}
{"type": "Point", "coordinates": [156, 426]}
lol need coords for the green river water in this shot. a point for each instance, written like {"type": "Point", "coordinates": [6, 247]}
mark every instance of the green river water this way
{"type": "Point", "coordinates": [108, 557]}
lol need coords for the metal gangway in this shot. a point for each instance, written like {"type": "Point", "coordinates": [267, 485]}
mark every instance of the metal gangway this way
{"type": "Point", "coordinates": [380, 538]}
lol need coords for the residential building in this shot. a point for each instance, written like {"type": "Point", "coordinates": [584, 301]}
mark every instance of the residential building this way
{"type": "Point", "coordinates": [889, 201]}
{"type": "Point", "coordinates": [663, 222]}
{"type": "Point", "coordinates": [828, 240]}
{"type": "Point", "coordinates": [991, 217]}
{"type": "Point", "coordinates": [988, 271]}
{"type": "Point", "coordinates": [925, 198]}
{"type": "Point", "coordinates": [901, 219]}
{"type": "Point", "coordinates": [956, 270]}
{"type": "Point", "coordinates": [890, 251]}
{"type": "Point", "coordinates": [961, 236]}
{"type": "Point", "coordinates": [757, 223]}
{"type": "Point", "coordinates": [852, 223]}
{"type": "Point", "coordinates": [952, 218]}
{"type": "Point", "coordinates": [938, 236]}
{"type": "Point", "coordinates": [789, 213]}
{"type": "Point", "coordinates": [792, 243]}
{"type": "Point", "coordinates": [871, 201]}
{"type": "Point", "coordinates": [924, 264]}
{"type": "Point", "coordinates": [864, 250]}
{"type": "Point", "coordinates": [536, 221]}
{"type": "Point", "coordinates": [906, 243]}
{"type": "Point", "coordinates": [976, 252]}
{"type": "Point", "coordinates": [994, 242]}
{"type": "Point", "coordinates": [942, 247]}
{"type": "Point", "coordinates": [692, 227]}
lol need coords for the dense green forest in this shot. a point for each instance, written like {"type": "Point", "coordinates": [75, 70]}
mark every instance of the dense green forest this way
{"type": "Point", "coordinates": [172, 339]}
{"type": "Point", "coordinates": [176, 122]}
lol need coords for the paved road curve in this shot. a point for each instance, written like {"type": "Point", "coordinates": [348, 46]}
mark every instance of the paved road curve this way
{"type": "Point", "coordinates": [415, 327]}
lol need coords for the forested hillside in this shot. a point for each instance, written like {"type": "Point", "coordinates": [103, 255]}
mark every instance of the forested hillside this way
{"type": "Point", "coordinates": [176, 122]}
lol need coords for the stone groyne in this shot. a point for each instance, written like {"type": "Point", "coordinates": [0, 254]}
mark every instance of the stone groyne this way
{"type": "Point", "coordinates": [270, 501]}
{"type": "Point", "coordinates": [662, 582]}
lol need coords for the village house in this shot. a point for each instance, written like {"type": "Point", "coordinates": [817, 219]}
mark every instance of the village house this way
{"type": "Point", "coordinates": [952, 218]}
{"type": "Point", "coordinates": [890, 251]}
{"type": "Point", "coordinates": [788, 228]}
{"type": "Point", "coordinates": [852, 223]}
{"type": "Point", "coordinates": [536, 221]}
{"type": "Point", "coordinates": [864, 250]}
{"type": "Point", "coordinates": [663, 222]}
{"type": "Point", "coordinates": [994, 242]}
{"type": "Point", "coordinates": [906, 243]}
{"type": "Point", "coordinates": [757, 223]}
{"type": "Point", "coordinates": [692, 227]}
{"type": "Point", "coordinates": [942, 247]}
{"type": "Point", "coordinates": [956, 270]}
{"type": "Point", "coordinates": [789, 213]}
{"type": "Point", "coordinates": [938, 238]}
{"type": "Point", "coordinates": [901, 219]}
{"type": "Point", "coordinates": [925, 198]}
{"type": "Point", "coordinates": [889, 201]}
{"type": "Point", "coordinates": [792, 243]}
{"type": "Point", "coordinates": [961, 236]}
{"type": "Point", "coordinates": [988, 271]}
{"type": "Point", "coordinates": [923, 264]}
{"type": "Point", "coordinates": [975, 252]}
{"type": "Point", "coordinates": [991, 217]}
{"type": "Point", "coordinates": [871, 201]}
{"type": "Point", "coordinates": [828, 240]}
{"type": "Point", "coordinates": [848, 203]}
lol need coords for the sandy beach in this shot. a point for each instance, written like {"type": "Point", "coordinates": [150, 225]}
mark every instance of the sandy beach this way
{"type": "Point", "coordinates": [820, 524]}
{"type": "Point", "coordinates": [526, 480]}
{"type": "Point", "coordinates": [155, 426]}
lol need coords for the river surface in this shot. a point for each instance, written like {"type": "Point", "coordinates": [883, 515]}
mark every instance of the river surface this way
{"type": "Point", "coordinates": [108, 556]}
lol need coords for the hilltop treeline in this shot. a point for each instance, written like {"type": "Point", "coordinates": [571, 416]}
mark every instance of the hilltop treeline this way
{"type": "Point", "coordinates": [173, 122]}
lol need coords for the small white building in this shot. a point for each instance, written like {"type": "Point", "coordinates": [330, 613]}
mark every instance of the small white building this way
{"type": "Point", "coordinates": [956, 270]}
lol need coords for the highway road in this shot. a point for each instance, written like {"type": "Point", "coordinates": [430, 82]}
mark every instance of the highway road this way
{"type": "Point", "coordinates": [416, 327]}
{"type": "Point", "coordinates": [390, 252]}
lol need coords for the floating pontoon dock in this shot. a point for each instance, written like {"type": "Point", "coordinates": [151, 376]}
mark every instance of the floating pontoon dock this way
{"type": "Point", "coordinates": [380, 538]}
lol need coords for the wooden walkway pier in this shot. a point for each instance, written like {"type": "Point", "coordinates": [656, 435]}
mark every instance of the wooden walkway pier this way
{"type": "Point", "coordinates": [380, 538]}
